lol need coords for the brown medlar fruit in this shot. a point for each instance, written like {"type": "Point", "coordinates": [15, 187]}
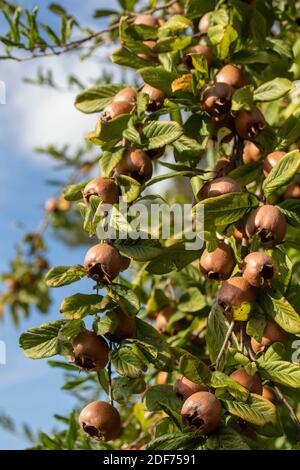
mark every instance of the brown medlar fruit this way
{"type": "Point", "coordinates": [90, 351]}
{"type": "Point", "coordinates": [156, 97]}
{"type": "Point", "coordinates": [162, 378]}
{"type": "Point", "coordinates": [162, 320]}
{"type": "Point", "coordinates": [127, 94]}
{"type": "Point", "coordinates": [272, 334]}
{"type": "Point", "coordinates": [251, 153]}
{"type": "Point", "coordinates": [146, 19]}
{"type": "Point", "coordinates": [217, 100]}
{"type": "Point", "coordinates": [202, 413]}
{"type": "Point", "coordinates": [101, 421]}
{"type": "Point", "coordinates": [218, 187]}
{"type": "Point", "coordinates": [218, 264]}
{"type": "Point", "coordinates": [103, 262]}
{"type": "Point", "coordinates": [126, 327]}
{"type": "Point", "coordinates": [134, 163]}
{"type": "Point", "coordinates": [105, 188]}
{"type": "Point", "coordinates": [268, 223]}
{"type": "Point", "coordinates": [184, 387]}
{"type": "Point", "coordinates": [51, 205]}
{"type": "Point", "coordinates": [200, 49]}
{"type": "Point", "coordinates": [116, 108]}
{"type": "Point", "coordinates": [249, 124]}
{"type": "Point", "coordinates": [232, 76]}
{"type": "Point", "coordinates": [259, 269]}
{"type": "Point", "coordinates": [234, 292]}
{"type": "Point", "coordinates": [223, 166]}
{"type": "Point", "coordinates": [203, 25]}
{"type": "Point", "coordinates": [250, 382]}
{"type": "Point", "coordinates": [154, 154]}
{"type": "Point", "coordinates": [271, 160]}
{"type": "Point", "coordinates": [176, 9]}
{"type": "Point", "coordinates": [292, 191]}
{"type": "Point", "coordinates": [152, 45]}
{"type": "Point", "coordinates": [269, 394]}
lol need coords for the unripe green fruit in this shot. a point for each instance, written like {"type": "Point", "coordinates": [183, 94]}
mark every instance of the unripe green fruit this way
{"type": "Point", "coordinates": [101, 421]}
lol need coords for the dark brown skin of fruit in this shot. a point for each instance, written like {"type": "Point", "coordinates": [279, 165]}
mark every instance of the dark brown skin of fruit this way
{"type": "Point", "coordinates": [249, 124]}
{"type": "Point", "coordinates": [251, 153]}
{"type": "Point", "coordinates": [234, 292]}
{"type": "Point", "coordinates": [260, 269]}
{"type": "Point", "coordinates": [271, 160]}
{"type": "Point", "coordinates": [202, 413]}
{"type": "Point", "coordinates": [162, 320]}
{"type": "Point", "coordinates": [269, 394]}
{"type": "Point", "coordinates": [219, 186]}
{"type": "Point", "coordinates": [126, 327]}
{"type": "Point", "coordinates": [217, 100]}
{"type": "Point", "coordinates": [218, 264]}
{"type": "Point", "coordinates": [204, 23]}
{"type": "Point", "coordinates": [101, 421]}
{"type": "Point", "coordinates": [103, 262]}
{"type": "Point", "coordinates": [184, 387]}
{"type": "Point", "coordinates": [154, 154]}
{"type": "Point", "coordinates": [200, 49]}
{"type": "Point", "coordinates": [90, 351]}
{"type": "Point", "coordinates": [223, 166]}
{"type": "Point", "coordinates": [105, 188]}
{"type": "Point", "coordinates": [134, 163]}
{"type": "Point", "coordinates": [268, 223]}
{"type": "Point", "coordinates": [225, 123]}
{"type": "Point", "coordinates": [250, 382]}
{"type": "Point", "coordinates": [232, 76]}
{"type": "Point", "coordinates": [116, 108]}
{"type": "Point", "coordinates": [272, 334]}
{"type": "Point", "coordinates": [292, 191]}
{"type": "Point", "coordinates": [128, 95]}
{"type": "Point", "coordinates": [148, 20]}
{"type": "Point", "coordinates": [156, 97]}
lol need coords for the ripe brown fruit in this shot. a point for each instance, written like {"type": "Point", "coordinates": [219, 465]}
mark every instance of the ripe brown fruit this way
{"type": "Point", "coordinates": [249, 124]}
{"type": "Point", "coordinates": [223, 166]}
{"type": "Point", "coordinates": [126, 327]}
{"type": "Point", "coordinates": [251, 153]}
{"type": "Point", "coordinates": [203, 25]}
{"type": "Point", "coordinates": [200, 49]}
{"type": "Point", "coordinates": [134, 163]}
{"type": "Point", "coordinates": [152, 45]}
{"type": "Point", "coordinates": [162, 378]}
{"type": "Point", "coordinates": [202, 413]}
{"type": "Point", "coordinates": [156, 97]}
{"type": "Point", "coordinates": [232, 76]}
{"type": "Point", "coordinates": [105, 188]}
{"type": "Point", "coordinates": [269, 394]}
{"type": "Point", "coordinates": [292, 191]}
{"type": "Point", "coordinates": [103, 262]}
{"type": "Point", "coordinates": [176, 9]}
{"type": "Point", "coordinates": [268, 223]}
{"type": "Point", "coordinates": [259, 269]}
{"type": "Point", "coordinates": [271, 160]}
{"type": "Point", "coordinates": [184, 387]}
{"type": "Point", "coordinates": [154, 154]}
{"type": "Point", "coordinates": [145, 19]}
{"type": "Point", "coordinates": [162, 320]}
{"type": "Point", "coordinates": [272, 334]}
{"type": "Point", "coordinates": [218, 264]}
{"type": "Point", "coordinates": [127, 94]}
{"type": "Point", "coordinates": [217, 100]}
{"type": "Point", "coordinates": [101, 421]}
{"type": "Point", "coordinates": [250, 382]}
{"type": "Point", "coordinates": [218, 187]}
{"type": "Point", "coordinates": [117, 108]}
{"type": "Point", "coordinates": [234, 292]}
{"type": "Point", "coordinates": [90, 351]}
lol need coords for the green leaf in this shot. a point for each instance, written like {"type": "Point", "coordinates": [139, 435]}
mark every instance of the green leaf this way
{"type": "Point", "coordinates": [281, 311]}
{"type": "Point", "coordinates": [95, 99]}
{"type": "Point", "coordinates": [73, 192]}
{"type": "Point", "coordinates": [130, 188]}
{"type": "Point", "coordinates": [217, 328]}
{"type": "Point", "coordinates": [196, 8]}
{"type": "Point", "coordinates": [127, 58]}
{"type": "Point", "coordinates": [79, 305]}
{"type": "Point", "coordinates": [257, 410]}
{"type": "Point", "coordinates": [273, 90]}
{"type": "Point", "coordinates": [109, 160]}
{"type": "Point", "coordinates": [107, 131]}
{"type": "Point", "coordinates": [282, 372]}
{"type": "Point", "coordinates": [173, 258]}
{"type": "Point", "coordinates": [124, 387]}
{"type": "Point", "coordinates": [194, 369]}
{"type": "Point", "coordinates": [290, 130]}
{"type": "Point", "coordinates": [282, 173]}
{"type": "Point", "coordinates": [127, 363]}
{"type": "Point", "coordinates": [247, 173]}
{"type": "Point", "coordinates": [41, 342]}
{"type": "Point", "coordinates": [140, 250]}
{"type": "Point", "coordinates": [220, 380]}
{"type": "Point", "coordinates": [64, 275]}
{"type": "Point", "coordinates": [106, 324]}
{"type": "Point", "coordinates": [175, 23]}
{"type": "Point", "coordinates": [291, 210]}
{"type": "Point", "coordinates": [176, 441]}
{"type": "Point", "coordinates": [125, 298]}
{"type": "Point", "coordinates": [256, 325]}
{"type": "Point", "coordinates": [191, 301]}
{"type": "Point", "coordinates": [161, 133]}
{"type": "Point", "coordinates": [158, 77]}
{"type": "Point", "coordinates": [242, 99]}
{"type": "Point", "coordinates": [226, 438]}
{"type": "Point", "coordinates": [186, 148]}
{"type": "Point", "coordinates": [229, 37]}
{"type": "Point", "coordinates": [161, 394]}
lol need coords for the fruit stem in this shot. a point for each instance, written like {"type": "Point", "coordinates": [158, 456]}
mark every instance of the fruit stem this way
{"type": "Point", "coordinates": [225, 343]}
{"type": "Point", "coordinates": [289, 407]}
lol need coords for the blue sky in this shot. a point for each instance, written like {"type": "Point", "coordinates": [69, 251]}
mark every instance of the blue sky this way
{"type": "Point", "coordinates": [30, 390]}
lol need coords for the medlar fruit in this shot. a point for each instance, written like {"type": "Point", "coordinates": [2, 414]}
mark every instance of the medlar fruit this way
{"type": "Point", "coordinates": [101, 421]}
{"type": "Point", "coordinates": [233, 293]}
{"type": "Point", "coordinates": [249, 124]}
{"type": "Point", "coordinates": [271, 160]}
{"type": "Point", "coordinates": [134, 163]}
{"type": "Point", "coordinates": [116, 108]}
{"type": "Point", "coordinates": [268, 223]}
{"type": "Point", "coordinates": [105, 188]}
{"type": "Point", "coordinates": [127, 94]}
{"type": "Point", "coordinates": [251, 153]}
{"type": "Point", "coordinates": [145, 19]}
{"type": "Point", "coordinates": [259, 269]}
{"type": "Point", "coordinates": [223, 166]}
{"type": "Point", "coordinates": [184, 387]}
{"type": "Point", "coordinates": [126, 327]}
{"type": "Point", "coordinates": [156, 97]}
{"type": "Point", "coordinates": [200, 49]}
{"type": "Point", "coordinates": [272, 334]}
{"type": "Point", "coordinates": [154, 154]}
{"type": "Point", "coordinates": [218, 264]}
{"type": "Point", "coordinates": [152, 45]}
{"type": "Point", "coordinates": [202, 413]}
{"type": "Point", "coordinates": [217, 100]}
{"type": "Point", "coordinates": [162, 378]}
{"type": "Point", "coordinates": [269, 394]}
{"type": "Point", "coordinates": [232, 76]}
{"type": "Point", "coordinates": [203, 25]}
{"type": "Point", "coordinates": [162, 320]}
{"type": "Point", "coordinates": [218, 187]}
{"type": "Point", "coordinates": [103, 262]}
{"type": "Point", "coordinates": [292, 191]}
{"type": "Point", "coordinates": [176, 9]}
{"type": "Point", "coordinates": [90, 351]}
{"type": "Point", "coordinates": [250, 382]}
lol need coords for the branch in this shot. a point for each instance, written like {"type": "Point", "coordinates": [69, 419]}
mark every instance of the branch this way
{"type": "Point", "coordinates": [110, 392]}
{"type": "Point", "coordinates": [225, 343]}
{"type": "Point", "coordinates": [289, 407]}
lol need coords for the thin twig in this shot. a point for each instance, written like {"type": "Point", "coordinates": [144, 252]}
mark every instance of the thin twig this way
{"type": "Point", "coordinates": [110, 392]}
{"type": "Point", "coordinates": [289, 407]}
{"type": "Point", "coordinates": [225, 343]}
